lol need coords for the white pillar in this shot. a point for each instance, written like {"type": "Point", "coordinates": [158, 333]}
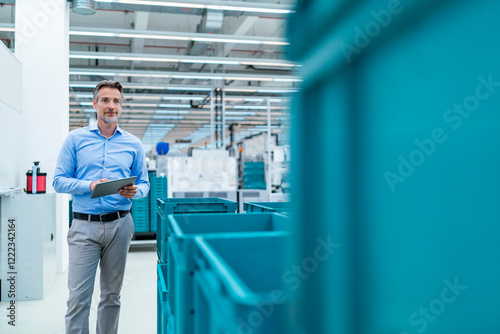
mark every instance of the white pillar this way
{"type": "Point", "coordinates": [42, 46]}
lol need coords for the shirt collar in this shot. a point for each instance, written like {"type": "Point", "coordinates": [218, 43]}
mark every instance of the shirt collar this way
{"type": "Point", "coordinates": [94, 127]}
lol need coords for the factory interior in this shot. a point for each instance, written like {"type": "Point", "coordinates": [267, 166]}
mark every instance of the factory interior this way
{"type": "Point", "coordinates": [286, 167]}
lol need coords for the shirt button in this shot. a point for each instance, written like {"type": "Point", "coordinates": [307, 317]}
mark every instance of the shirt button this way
{"type": "Point", "coordinates": [104, 167]}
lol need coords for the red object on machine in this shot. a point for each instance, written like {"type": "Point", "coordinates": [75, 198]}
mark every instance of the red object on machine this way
{"type": "Point", "coordinates": [39, 183]}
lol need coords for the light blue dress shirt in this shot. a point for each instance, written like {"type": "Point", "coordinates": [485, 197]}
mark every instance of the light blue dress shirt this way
{"type": "Point", "coordinates": [87, 156]}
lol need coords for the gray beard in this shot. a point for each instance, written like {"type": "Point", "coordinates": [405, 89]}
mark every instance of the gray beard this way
{"type": "Point", "coordinates": [108, 119]}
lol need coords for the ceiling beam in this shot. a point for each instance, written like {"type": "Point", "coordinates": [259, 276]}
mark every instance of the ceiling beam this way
{"type": "Point", "coordinates": [141, 20]}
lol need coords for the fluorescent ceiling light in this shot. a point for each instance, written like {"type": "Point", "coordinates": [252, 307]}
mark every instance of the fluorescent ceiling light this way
{"type": "Point", "coordinates": [166, 60]}
{"type": "Point", "coordinates": [143, 105]}
{"type": "Point", "coordinates": [287, 79]}
{"type": "Point", "coordinates": [183, 97]}
{"type": "Point", "coordinates": [201, 89]}
{"type": "Point", "coordinates": [225, 40]}
{"type": "Point", "coordinates": [240, 113]}
{"type": "Point", "coordinates": [92, 33]}
{"type": "Point", "coordinates": [172, 105]}
{"type": "Point", "coordinates": [167, 117]}
{"type": "Point", "coordinates": [161, 126]}
{"type": "Point", "coordinates": [82, 85]}
{"type": "Point", "coordinates": [210, 39]}
{"type": "Point", "coordinates": [262, 99]}
{"type": "Point", "coordinates": [142, 97]}
{"type": "Point", "coordinates": [193, 87]}
{"type": "Point", "coordinates": [217, 5]}
{"type": "Point", "coordinates": [91, 73]}
{"type": "Point", "coordinates": [211, 61]}
{"type": "Point", "coordinates": [247, 90]}
{"type": "Point", "coordinates": [172, 111]}
{"type": "Point", "coordinates": [152, 36]}
{"type": "Point", "coordinates": [249, 107]}
{"type": "Point", "coordinates": [194, 76]}
{"type": "Point", "coordinates": [96, 56]}
{"type": "Point", "coordinates": [239, 78]}
{"type": "Point", "coordinates": [7, 29]}
{"type": "Point", "coordinates": [154, 3]}
{"type": "Point", "coordinates": [235, 118]}
{"type": "Point", "coordinates": [265, 127]}
{"type": "Point", "coordinates": [264, 63]}
{"type": "Point", "coordinates": [277, 91]}
{"type": "Point", "coordinates": [171, 35]}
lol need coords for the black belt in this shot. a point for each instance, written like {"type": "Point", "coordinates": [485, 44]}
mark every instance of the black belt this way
{"type": "Point", "coordinates": [105, 217]}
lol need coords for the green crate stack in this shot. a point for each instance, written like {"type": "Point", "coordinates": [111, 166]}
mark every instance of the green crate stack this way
{"type": "Point", "coordinates": [182, 230]}
{"type": "Point", "coordinates": [367, 107]}
{"type": "Point", "coordinates": [254, 176]}
{"type": "Point", "coordinates": [158, 190]}
{"type": "Point", "coordinates": [236, 281]}
{"type": "Point", "coordinates": [279, 207]}
{"type": "Point", "coordinates": [140, 214]}
{"type": "Point", "coordinates": [162, 309]}
{"type": "Point", "coordinates": [169, 206]}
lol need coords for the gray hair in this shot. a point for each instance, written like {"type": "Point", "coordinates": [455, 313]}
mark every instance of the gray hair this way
{"type": "Point", "coordinates": [110, 84]}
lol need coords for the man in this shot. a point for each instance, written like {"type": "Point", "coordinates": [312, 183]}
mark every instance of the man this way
{"type": "Point", "coordinates": [102, 227]}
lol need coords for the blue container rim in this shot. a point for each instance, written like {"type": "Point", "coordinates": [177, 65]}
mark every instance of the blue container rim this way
{"type": "Point", "coordinates": [179, 234]}
{"type": "Point", "coordinates": [238, 289]}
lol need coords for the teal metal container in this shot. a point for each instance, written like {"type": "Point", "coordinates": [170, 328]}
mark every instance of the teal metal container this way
{"type": "Point", "coordinates": [238, 285]}
{"type": "Point", "coordinates": [396, 133]}
{"type": "Point", "coordinates": [167, 206]}
{"type": "Point", "coordinates": [280, 207]}
{"type": "Point", "coordinates": [254, 175]}
{"type": "Point", "coordinates": [159, 189]}
{"type": "Point", "coordinates": [161, 240]}
{"type": "Point", "coordinates": [140, 214]}
{"type": "Point", "coordinates": [182, 230]}
{"type": "Point", "coordinates": [163, 312]}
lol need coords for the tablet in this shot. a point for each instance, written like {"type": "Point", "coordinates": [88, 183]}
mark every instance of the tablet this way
{"type": "Point", "coordinates": [111, 187]}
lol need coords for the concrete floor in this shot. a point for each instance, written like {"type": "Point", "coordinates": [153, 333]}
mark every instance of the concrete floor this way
{"type": "Point", "coordinates": [138, 311]}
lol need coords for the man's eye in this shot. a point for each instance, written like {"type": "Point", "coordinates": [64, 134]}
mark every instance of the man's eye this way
{"type": "Point", "coordinates": [104, 100]}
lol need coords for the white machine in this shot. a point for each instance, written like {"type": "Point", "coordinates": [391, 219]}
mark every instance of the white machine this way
{"type": "Point", "coordinates": [27, 245]}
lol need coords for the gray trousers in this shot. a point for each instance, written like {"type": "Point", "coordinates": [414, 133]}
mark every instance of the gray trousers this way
{"type": "Point", "coordinates": [90, 242]}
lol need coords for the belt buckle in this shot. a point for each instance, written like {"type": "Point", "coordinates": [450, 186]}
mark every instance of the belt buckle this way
{"type": "Point", "coordinates": [100, 217]}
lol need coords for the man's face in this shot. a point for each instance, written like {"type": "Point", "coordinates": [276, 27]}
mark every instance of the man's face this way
{"type": "Point", "coordinates": [108, 105]}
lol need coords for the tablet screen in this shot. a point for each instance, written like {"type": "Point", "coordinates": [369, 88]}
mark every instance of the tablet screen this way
{"type": "Point", "coordinates": [111, 187]}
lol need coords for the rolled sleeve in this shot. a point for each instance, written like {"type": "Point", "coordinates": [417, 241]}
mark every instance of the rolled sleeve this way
{"type": "Point", "coordinates": [140, 170]}
{"type": "Point", "coordinates": [64, 175]}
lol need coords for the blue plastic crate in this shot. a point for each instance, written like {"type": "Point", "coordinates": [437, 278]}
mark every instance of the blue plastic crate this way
{"type": "Point", "coordinates": [140, 214]}
{"type": "Point", "coordinates": [254, 164]}
{"type": "Point", "coordinates": [238, 285]}
{"type": "Point", "coordinates": [281, 207]}
{"type": "Point", "coordinates": [392, 138]}
{"type": "Point", "coordinates": [255, 185]}
{"type": "Point", "coordinates": [161, 239]}
{"type": "Point", "coordinates": [163, 312]}
{"type": "Point", "coordinates": [182, 206]}
{"type": "Point", "coordinates": [183, 228]}
{"type": "Point", "coordinates": [158, 190]}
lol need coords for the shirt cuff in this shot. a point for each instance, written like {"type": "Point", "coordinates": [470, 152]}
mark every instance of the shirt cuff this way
{"type": "Point", "coordinates": [85, 186]}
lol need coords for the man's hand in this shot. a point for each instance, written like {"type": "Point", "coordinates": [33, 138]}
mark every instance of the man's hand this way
{"type": "Point", "coordinates": [92, 185]}
{"type": "Point", "coordinates": [128, 191]}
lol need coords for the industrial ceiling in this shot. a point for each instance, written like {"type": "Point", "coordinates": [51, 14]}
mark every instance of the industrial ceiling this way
{"type": "Point", "coordinates": [188, 69]}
